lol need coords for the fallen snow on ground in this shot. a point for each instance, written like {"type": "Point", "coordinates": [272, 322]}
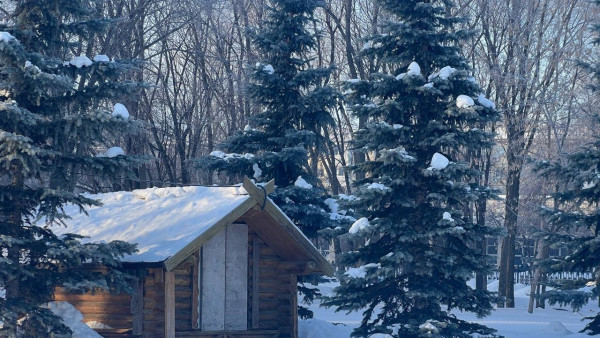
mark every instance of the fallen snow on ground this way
{"type": "Point", "coordinates": [72, 319]}
{"type": "Point", "coordinates": [551, 322]}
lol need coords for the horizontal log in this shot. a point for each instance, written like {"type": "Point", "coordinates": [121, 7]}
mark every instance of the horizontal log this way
{"type": "Point", "coordinates": [108, 308]}
{"type": "Point", "coordinates": [183, 282]}
{"type": "Point", "coordinates": [121, 298]}
{"type": "Point", "coordinates": [116, 322]}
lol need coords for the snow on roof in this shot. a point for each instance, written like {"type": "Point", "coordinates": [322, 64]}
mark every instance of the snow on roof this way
{"type": "Point", "coordinates": [160, 220]}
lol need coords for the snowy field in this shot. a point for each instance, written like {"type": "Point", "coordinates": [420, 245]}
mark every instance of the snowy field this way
{"type": "Point", "coordinates": [554, 321]}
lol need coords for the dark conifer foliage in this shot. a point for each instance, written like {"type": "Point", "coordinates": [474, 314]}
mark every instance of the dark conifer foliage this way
{"type": "Point", "coordinates": [56, 115]}
{"type": "Point", "coordinates": [417, 242]}
{"type": "Point", "coordinates": [284, 140]}
{"type": "Point", "coordinates": [573, 214]}
{"type": "Point", "coordinates": [294, 100]}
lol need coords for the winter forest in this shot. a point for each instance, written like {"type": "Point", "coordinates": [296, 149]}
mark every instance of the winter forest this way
{"type": "Point", "coordinates": [419, 144]}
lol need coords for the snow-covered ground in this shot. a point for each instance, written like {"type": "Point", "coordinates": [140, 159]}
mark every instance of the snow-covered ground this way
{"type": "Point", "coordinates": [554, 321]}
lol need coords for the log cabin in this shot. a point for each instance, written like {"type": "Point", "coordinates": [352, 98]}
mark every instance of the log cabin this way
{"type": "Point", "coordinates": [211, 262]}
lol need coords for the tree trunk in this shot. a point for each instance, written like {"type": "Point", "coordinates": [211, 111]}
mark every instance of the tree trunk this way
{"type": "Point", "coordinates": [510, 221]}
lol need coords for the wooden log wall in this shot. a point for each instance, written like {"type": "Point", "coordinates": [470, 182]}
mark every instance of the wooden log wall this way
{"type": "Point", "coordinates": [101, 306]}
{"type": "Point", "coordinates": [183, 294]}
{"type": "Point", "coordinates": [276, 291]}
{"type": "Point", "coordinates": [154, 315]}
{"type": "Point", "coordinates": [154, 298]}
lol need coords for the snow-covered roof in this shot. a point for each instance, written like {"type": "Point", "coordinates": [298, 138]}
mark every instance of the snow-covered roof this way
{"type": "Point", "coordinates": [169, 224]}
{"type": "Point", "coordinates": [162, 221]}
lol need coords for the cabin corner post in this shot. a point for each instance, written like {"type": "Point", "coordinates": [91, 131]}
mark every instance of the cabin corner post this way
{"type": "Point", "coordinates": [169, 277]}
{"type": "Point", "coordinates": [294, 304]}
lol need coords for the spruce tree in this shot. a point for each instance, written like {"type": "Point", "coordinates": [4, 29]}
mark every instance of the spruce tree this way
{"type": "Point", "coordinates": [294, 101]}
{"type": "Point", "coordinates": [57, 113]}
{"type": "Point", "coordinates": [283, 141]}
{"type": "Point", "coordinates": [573, 215]}
{"type": "Point", "coordinates": [417, 242]}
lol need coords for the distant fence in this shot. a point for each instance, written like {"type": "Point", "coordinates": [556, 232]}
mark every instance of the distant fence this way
{"type": "Point", "coordinates": [526, 277]}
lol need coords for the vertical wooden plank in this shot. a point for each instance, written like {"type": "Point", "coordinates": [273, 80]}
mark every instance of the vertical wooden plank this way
{"type": "Point", "coordinates": [137, 304]}
{"type": "Point", "coordinates": [169, 278]}
{"type": "Point", "coordinates": [213, 286]}
{"type": "Point", "coordinates": [195, 289]}
{"type": "Point", "coordinates": [294, 305]}
{"type": "Point", "coordinates": [255, 281]}
{"type": "Point", "coordinates": [236, 277]}
{"type": "Point", "coordinates": [158, 275]}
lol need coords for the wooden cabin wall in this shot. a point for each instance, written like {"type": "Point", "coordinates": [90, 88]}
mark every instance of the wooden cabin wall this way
{"type": "Point", "coordinates": [154, 300]}
{"type": "Point", "coordinates": [183, 294]}
{"type": "Point", "coordinates": [103, 307]}
{"type": "Point", "coordinates": [277, 291]}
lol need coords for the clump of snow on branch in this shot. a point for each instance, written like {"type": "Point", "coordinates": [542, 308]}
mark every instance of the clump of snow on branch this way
{"type": "Point", "coordinates": [101, 58]}
{"type": "Point", "coordinates": [226, 156]}
{"type": "Point", "coordinates": [397, 152]}
{"type": "Point", "coordinates": [377, 186]}
{"type": "Point", "coordinates": [81, 61]}
{"type": "Point", "coordinates": [439, 162]}
{"type": "Point", "coordinates": [588, 185]}
{"type": "Point", "coordinates": [6, 37]}
{"type": "Point", "coordinates": [112, 152]}
{"type": "Point", "coordinates": [269, 69]}
{"type": "Point", "coordinates": [447, 217]}
{"type": "Point", "coordinates": [73, 319]}
{"type": "Point", "coordinates": [361, 271]}
{"type": "Point", "coordinates": [335, 212]}
{"type": "Point", "coordinates": [443, 74]}
{"type": "Point", "coordinates": [257, 171]}
{"type": "Point", "coordinates": [247, 128]}
{"type": "Point", "coordinates": [300, 182]}
{"type": "Point", "coordinates": [370, 44]}
{"type": "Point", "coordinates": [120, 110]}
{"type": "Point", "coordinates": [485, 102]}
{"type": "Point", "coordinates": [360, 224]}
{"type": "Point", "coordinates": [28, 64]}
{"type": "Point", "coordinates": [413, 69]}
{"type": "Point", "coordinates": [428, 85]}
{"type": "Point", "coordinates": [464, 101]}
{"type": "Point", "coordinates": [428, 328]}
{"type": "Point", "coordinates": [397, 126]}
